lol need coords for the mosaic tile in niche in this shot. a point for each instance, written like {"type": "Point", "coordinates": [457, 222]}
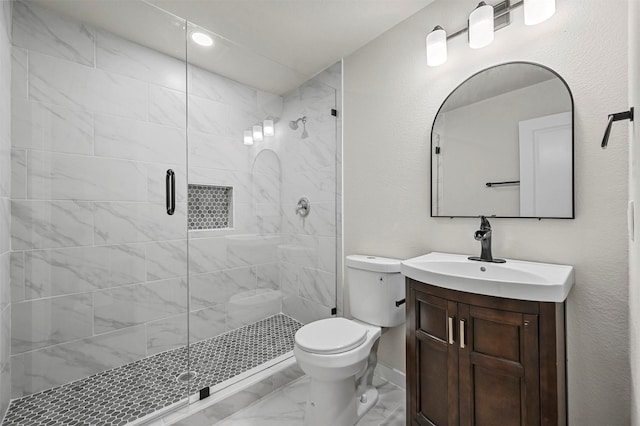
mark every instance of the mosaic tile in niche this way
{"type": "Point", "coordinates": [209, 207]}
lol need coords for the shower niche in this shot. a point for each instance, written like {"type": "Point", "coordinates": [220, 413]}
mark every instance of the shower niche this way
{"type": "Point", "coordinates": [210, 207]}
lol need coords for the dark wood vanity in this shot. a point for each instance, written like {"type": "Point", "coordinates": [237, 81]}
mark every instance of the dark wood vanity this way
{"type": "Point", "coordinates": [483, 360]}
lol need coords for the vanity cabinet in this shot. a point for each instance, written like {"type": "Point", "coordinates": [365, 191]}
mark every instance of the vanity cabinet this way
{"type": "Point", "coordinates": [483, 360]}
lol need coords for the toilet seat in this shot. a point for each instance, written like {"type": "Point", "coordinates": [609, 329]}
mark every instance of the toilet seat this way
{"type": "Point", "coordinates": [330, 336]}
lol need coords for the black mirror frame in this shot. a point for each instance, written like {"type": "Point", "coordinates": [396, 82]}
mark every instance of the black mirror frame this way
{"type": "Point", "coordinates": [573, 154]}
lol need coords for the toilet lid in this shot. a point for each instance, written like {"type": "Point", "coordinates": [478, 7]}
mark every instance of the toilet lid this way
{"type": "Point", "coordinates": [330, 336]}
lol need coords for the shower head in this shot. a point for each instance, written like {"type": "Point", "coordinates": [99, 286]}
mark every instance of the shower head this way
{"type": "Point", "coordinates": [294, 124]}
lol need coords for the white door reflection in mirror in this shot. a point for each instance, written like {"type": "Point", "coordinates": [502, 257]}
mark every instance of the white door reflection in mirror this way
{"type": "Point", "coordinates": [545, 180]}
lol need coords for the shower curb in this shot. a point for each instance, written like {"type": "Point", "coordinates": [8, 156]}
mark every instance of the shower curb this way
{"type": "Point", "coordinates": [234, 397]}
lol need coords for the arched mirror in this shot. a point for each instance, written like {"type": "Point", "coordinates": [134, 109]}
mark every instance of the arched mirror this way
{"type": "Point", "coordinates": [502, 145]}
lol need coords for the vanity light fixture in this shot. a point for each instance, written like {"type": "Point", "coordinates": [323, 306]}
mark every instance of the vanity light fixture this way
{"type": "Point", "coordinates": [437, 47]}
{"type": "Point", "coordinates": [268, 128]}
{"type": "Point", "coordinates": [481, 26]}
{"type": "Point", "coordinates": [483, 21]}
{"type": "Point", "coordinates": [248, 137]}
{"type": "Point", "coordinates": [257, 133]}
{"type": "Point", "coordinates": [202, 39]}
{"type": "Point", "coordinates": [536, 11]}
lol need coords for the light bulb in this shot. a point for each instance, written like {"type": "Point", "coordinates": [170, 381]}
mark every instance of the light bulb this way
{"type": "Point", "coordinates": [481, 26]}
{"type": "Point", "coordinates": [536, 11]}
{"type": "Point", "coordinates": [257, 133]}
{"type": "Point", "coordinates": [268, 128]}
{"type": "Point", "coordinates": [248, 137]}
{"type": "Point", "coordinates": [202, 39]}
{"type": "Point", "coordinates": [436, 47]}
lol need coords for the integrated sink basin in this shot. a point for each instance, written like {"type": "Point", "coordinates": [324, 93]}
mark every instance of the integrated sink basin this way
{"type": "Point", "coordinates": [515, 279]}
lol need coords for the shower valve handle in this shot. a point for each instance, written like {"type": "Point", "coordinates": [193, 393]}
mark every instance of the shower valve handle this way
{"type": "Point", "coordinates": [303, 207]}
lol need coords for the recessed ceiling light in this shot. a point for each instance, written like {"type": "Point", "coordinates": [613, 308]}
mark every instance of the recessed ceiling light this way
{"type": "Point", "coordinates": [202, 39]}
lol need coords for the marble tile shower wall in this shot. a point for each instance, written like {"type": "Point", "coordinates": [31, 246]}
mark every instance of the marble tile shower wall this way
{"type": "Point", "coordinates": [98, 270]}
{"type": "Point", "coordinates": [310, 254]}
{"type": "Point", "coordinates": [234, 275]}
{"type": "Point", "coordinates": [5, 206]}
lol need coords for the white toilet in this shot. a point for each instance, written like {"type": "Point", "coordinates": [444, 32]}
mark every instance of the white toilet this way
{"type": "Point", "coordinates": [339, 355]}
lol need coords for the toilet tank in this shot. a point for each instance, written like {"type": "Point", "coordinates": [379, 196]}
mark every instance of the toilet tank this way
{"type": "Point", "coordinates": [375, 285]}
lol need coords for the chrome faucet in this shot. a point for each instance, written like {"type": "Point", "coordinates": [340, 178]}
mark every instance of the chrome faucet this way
{"type": "Point", "coordinates": [484, 236]}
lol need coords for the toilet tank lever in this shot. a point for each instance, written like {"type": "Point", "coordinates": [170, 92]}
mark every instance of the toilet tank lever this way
{"type": "Point", "coordinates": [400, 302]}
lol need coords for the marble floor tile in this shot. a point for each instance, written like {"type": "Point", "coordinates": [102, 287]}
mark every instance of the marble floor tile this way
{"type": "Point", "coordinates": [397, 417]}
{"type": "Point", "coordinates": [285, 407]}
{"type": "Point", "coordinates": [390, 398]}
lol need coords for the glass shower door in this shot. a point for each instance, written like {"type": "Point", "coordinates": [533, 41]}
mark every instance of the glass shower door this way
{"type": "Point", "coordinates": [258, 270]}
{"type": "Point", "coordinates": [99, 216]}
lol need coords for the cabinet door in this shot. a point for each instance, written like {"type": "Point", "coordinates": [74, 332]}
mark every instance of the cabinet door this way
{"type": "Point", "coordinates": [434, 396]}
{"type": "Point", "coordinates": [499, 381]}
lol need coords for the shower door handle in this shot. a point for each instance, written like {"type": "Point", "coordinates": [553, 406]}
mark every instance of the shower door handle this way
{"type": "Point", "coordinates": [171, 192]}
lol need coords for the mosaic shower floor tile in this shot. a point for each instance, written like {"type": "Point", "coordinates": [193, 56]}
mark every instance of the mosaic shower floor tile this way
{"type": "Point", "coordinates": [127, 393]}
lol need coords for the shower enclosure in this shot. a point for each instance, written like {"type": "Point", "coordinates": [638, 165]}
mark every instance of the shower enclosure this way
{"type": "Point", "coordinates": [156, 250]}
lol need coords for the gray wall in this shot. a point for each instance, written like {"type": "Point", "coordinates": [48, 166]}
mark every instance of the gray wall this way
{"type": "Point", "coordinates": [391, 98]}
{"type": "Point", "coordinates": [5, 215]}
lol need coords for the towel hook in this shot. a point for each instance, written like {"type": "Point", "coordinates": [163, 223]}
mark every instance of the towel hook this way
{"type": "Point", "coordinates": [626, 115]}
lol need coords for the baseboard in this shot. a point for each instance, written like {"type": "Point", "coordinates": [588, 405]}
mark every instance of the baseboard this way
{"type": "Point", "coordinates": [391, 375]}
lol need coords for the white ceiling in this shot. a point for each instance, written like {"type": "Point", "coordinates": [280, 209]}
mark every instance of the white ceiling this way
{"type": "Point", "coordinates": [274, 45]}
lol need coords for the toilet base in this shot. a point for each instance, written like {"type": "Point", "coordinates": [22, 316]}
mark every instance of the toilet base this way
{"type": "Point", "coordinates": [336, 403]}
{"type": "Point", "coordinates": [366, 401]}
